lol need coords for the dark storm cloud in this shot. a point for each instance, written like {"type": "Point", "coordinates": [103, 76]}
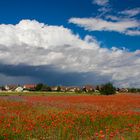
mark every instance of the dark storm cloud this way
{"type": "Point", "coordinates": [51, 75]}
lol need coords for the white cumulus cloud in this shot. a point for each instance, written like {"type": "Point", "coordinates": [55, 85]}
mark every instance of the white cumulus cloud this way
{"type": "Point", "coordinates": [32, 43]}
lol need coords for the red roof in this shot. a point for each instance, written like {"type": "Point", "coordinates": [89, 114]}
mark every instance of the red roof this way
{"type": "Point", "coordinates": [89, 87]}
{"type": "Point", "coordinates": [30, 86]}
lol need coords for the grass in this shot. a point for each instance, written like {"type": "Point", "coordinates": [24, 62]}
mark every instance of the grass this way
{"type": "Point", "coordinates": [36, 93]}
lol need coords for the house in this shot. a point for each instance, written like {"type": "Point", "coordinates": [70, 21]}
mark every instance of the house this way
{"type": "Point", "coordinates": [10, 87]}
{"type": "Point", "coordinates": [88, 88]}
{"type": "Point", "coordinates": [54, 88]}
{"type": "Point", "coordinates": [98, 87]}
{"type": "Point", "coordinates": [63, 88]}
{"type": "Point", "coordinates": [97, 91]}
{"type": "Point", "coordinates": [123, 90]}
{"type": "Point", "coordinates": [73, 89]}
{"type": "Point", "coordinates": [19, 89]}
{"type": "Point", "coordinates": [30, 87]}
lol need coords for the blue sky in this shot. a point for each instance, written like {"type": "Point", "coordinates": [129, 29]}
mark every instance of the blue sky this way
{"type": "Point", "coordinates": [109, 26]}
{"type": "Point", "coordinates": [56, 12]}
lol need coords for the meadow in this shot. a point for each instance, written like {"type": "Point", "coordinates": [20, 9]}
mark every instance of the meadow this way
{"type": "Point", "coordinates": [59, 116]}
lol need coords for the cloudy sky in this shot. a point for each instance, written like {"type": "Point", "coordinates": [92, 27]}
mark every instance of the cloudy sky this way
{"type": "Point", "coordinates": [70, 42]}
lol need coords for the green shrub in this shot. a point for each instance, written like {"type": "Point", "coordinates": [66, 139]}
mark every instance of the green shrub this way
{"type": "Point", "coordinates": [108, 89]}
{"type": "Point", "coordinates": [39, 87]}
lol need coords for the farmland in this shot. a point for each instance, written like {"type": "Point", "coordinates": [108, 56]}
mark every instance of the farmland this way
{"type": "Point", "coordinates": [73, 117]}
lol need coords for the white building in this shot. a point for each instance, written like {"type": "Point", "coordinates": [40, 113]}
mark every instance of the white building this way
{"type": "Point", "coordinates": [19, 89]}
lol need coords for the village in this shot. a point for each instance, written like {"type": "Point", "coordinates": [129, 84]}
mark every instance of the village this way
{"type": "Point", "coordinates": [45, 88]}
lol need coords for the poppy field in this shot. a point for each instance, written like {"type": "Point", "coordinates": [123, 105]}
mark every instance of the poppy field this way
{"type": "Point", "coordinates": [77, 117]}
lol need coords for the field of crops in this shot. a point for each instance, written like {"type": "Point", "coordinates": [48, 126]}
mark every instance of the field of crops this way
{"type": "Point", "coordinates": [74, 117]}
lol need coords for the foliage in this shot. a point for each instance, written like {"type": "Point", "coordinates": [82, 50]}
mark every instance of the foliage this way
{"type": "Point", "coordinates": [133, 90]}
{"type": "Point", "coordinates": [42, 87]}
{"type": "Point", "coordinates": [97, 87]}
{"type": "Point", "coordinates": [46, 88]}
{"type": "Point", "coordinates": [83, 89]}
{"type": "Point", "coordinates": [2, 87]}
{"type": "Point", "coordinates": [108, 89]}
{"type": "Point", "coordinates": [78, 91]}
{"type": "Point", "coordinates": [58, 88]}
{"type": "Point", "coordinates": [39, 87]}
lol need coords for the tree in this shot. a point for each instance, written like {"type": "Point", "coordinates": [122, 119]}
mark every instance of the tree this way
{"type": "Point", "coordinates": [108, 89]}
{"type": "Point", "coordinates": [58, 88]}
{"type": "Point", "coordinates": [39, 87]}
{"type": "Point", "coordinates": [132, 90]}
{"type": "Point", "coordinates": [48, 88]}
{"type": "Point", "coordinates": [97, 87]}
{"type": "Point", "coordinates": [44, 88]}
{"type": "Point", "coordinates": [138, 89]}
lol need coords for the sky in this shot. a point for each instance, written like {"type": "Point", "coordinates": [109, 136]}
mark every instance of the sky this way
{"type": "Point", "coordinates": [70, 42]}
